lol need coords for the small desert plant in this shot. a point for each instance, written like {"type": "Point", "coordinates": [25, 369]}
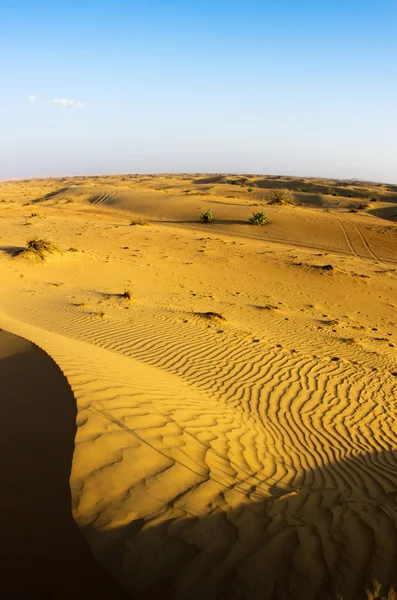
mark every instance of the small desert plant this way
{"type": "Point", "coordinates": [211, 316]}
{"type": "Point", "coordinates": [282, 196]}
{"type": "Point", "coordinates": [38, 248]}
{"type": "Point", "coordinates": [332, 192]}
{"type": "Point", "coordinates": [250, 189]}
{"type": "Point", "coordinates": [206, 217]}
{"type": "Point", "coordinates": [258, 218]}
{"type": "Point", "coordinates": [126, 294]}
{"type": "Point", "coordinates": [138, 221]}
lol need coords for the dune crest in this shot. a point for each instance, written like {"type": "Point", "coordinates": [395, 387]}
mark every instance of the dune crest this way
{"type": "Point", "coordinates": [43, 552]}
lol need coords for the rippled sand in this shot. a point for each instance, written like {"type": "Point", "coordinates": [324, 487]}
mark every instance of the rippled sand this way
{"type": "Point", "coordinates": [245, 454]}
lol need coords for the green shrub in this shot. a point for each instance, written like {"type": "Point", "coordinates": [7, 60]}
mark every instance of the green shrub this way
{"type": "Point", "coordinates": [206, 217]}
{"type": "Point", "coordinates": [250, 189]}
{"type": "Point", "coordinates": [258, 218]}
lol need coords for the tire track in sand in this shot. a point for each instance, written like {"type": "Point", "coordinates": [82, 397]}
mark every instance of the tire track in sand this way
{"type": "Point", "coordinates": [103, 198]}
{"type": "Point", "coordinates": [355, 240]}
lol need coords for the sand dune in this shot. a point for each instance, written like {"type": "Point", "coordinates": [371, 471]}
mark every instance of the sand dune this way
{"type": "Point", "coordinates": [247, 457]}
{"type": "Point", "coordinates": [43, 553]}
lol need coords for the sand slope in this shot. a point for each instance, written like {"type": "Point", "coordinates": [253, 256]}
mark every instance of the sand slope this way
{"type": "Point", "coordinates": [43, 552]}
{"type": "Point", "coordinates": [247, 457]}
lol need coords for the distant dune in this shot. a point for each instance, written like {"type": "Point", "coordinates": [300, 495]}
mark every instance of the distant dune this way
{"type": "Point", "coordinates": [201, 410]}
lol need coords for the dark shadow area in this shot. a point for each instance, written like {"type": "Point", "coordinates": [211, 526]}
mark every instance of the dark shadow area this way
{"type": "Point", "coordinates": [213, 179]}
{"type": "Point", "coordinates": [124, 295]}
{"type": "Point", "coordinates": [43, 554]}
{"type": "Point", "coordinates": [331, 536]}
{"type": "Point", "coordinates": [51, 195]}
{"type": "Point", "coordinates": [11, 250]}
{"type": "Point", "coordinates": [389, 213]}
{"type": "Point", "coordinates": [312, 200]}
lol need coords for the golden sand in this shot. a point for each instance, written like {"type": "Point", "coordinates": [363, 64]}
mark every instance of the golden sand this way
{"type": "Point", "coordinates": [247, 456]}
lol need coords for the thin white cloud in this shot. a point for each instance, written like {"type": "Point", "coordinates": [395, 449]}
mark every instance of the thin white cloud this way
{"type": "Point", "coordinates": [33, 98]}
{"type": "Point", "coordinates": [64, 103]}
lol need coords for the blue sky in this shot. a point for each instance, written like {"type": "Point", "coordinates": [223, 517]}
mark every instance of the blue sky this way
{"type": "Point", "coordinates": [272, 86]}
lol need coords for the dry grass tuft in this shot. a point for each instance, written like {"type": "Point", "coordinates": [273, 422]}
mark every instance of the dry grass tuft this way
{"type": "Point", "coordinates": [212, 316]}
{"type": "Point", "coordinates": [138, 221]}
{"type": "Point", "coordinates": [38, 249]}
{"type": "Point", "coordinates": [126, 295]}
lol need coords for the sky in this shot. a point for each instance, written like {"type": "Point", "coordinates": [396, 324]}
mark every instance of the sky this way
{"type": "Point", "coordinates": [293, 87]}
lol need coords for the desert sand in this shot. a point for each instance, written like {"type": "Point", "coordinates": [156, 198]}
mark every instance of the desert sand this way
{"type": "Point", "coordinates": [198, 410]}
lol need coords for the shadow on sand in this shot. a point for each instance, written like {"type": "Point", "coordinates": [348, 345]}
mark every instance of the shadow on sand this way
{"type": "Point", "coordinates": [334, 538]}
{"type": "Point", "coordinates": [43, 554]}
{"type": "Point", "coordinates": [389, 213]}
{"type": "Point", "coordinates": [10, 250]}
{"type": "Point", "coordinates": [50, 195]}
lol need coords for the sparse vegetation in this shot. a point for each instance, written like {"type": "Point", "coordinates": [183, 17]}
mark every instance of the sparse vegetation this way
{"type": "Point", "coordinates": [250, 189]}
{"type": "Point", "coordinates": [282, 196]}
{"type": "Point", "coordinates": [211, 316]}
{"type": "Point", "coordinates": [138, 221]}
{"type": "Point", "coordinates": [206, 217]}
{"type": "Point", "coordinates": [126, 294]}
{"type": "Point", "coordinates": [38, 249]}
{"type": "Point", "coordinates": [258, 218]}
{"type": "Point", "coordinates": [332, 192]}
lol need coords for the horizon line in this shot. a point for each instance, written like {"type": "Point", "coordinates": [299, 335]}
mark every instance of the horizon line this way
{"type": "Point", "coordinates": [197, 173]}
